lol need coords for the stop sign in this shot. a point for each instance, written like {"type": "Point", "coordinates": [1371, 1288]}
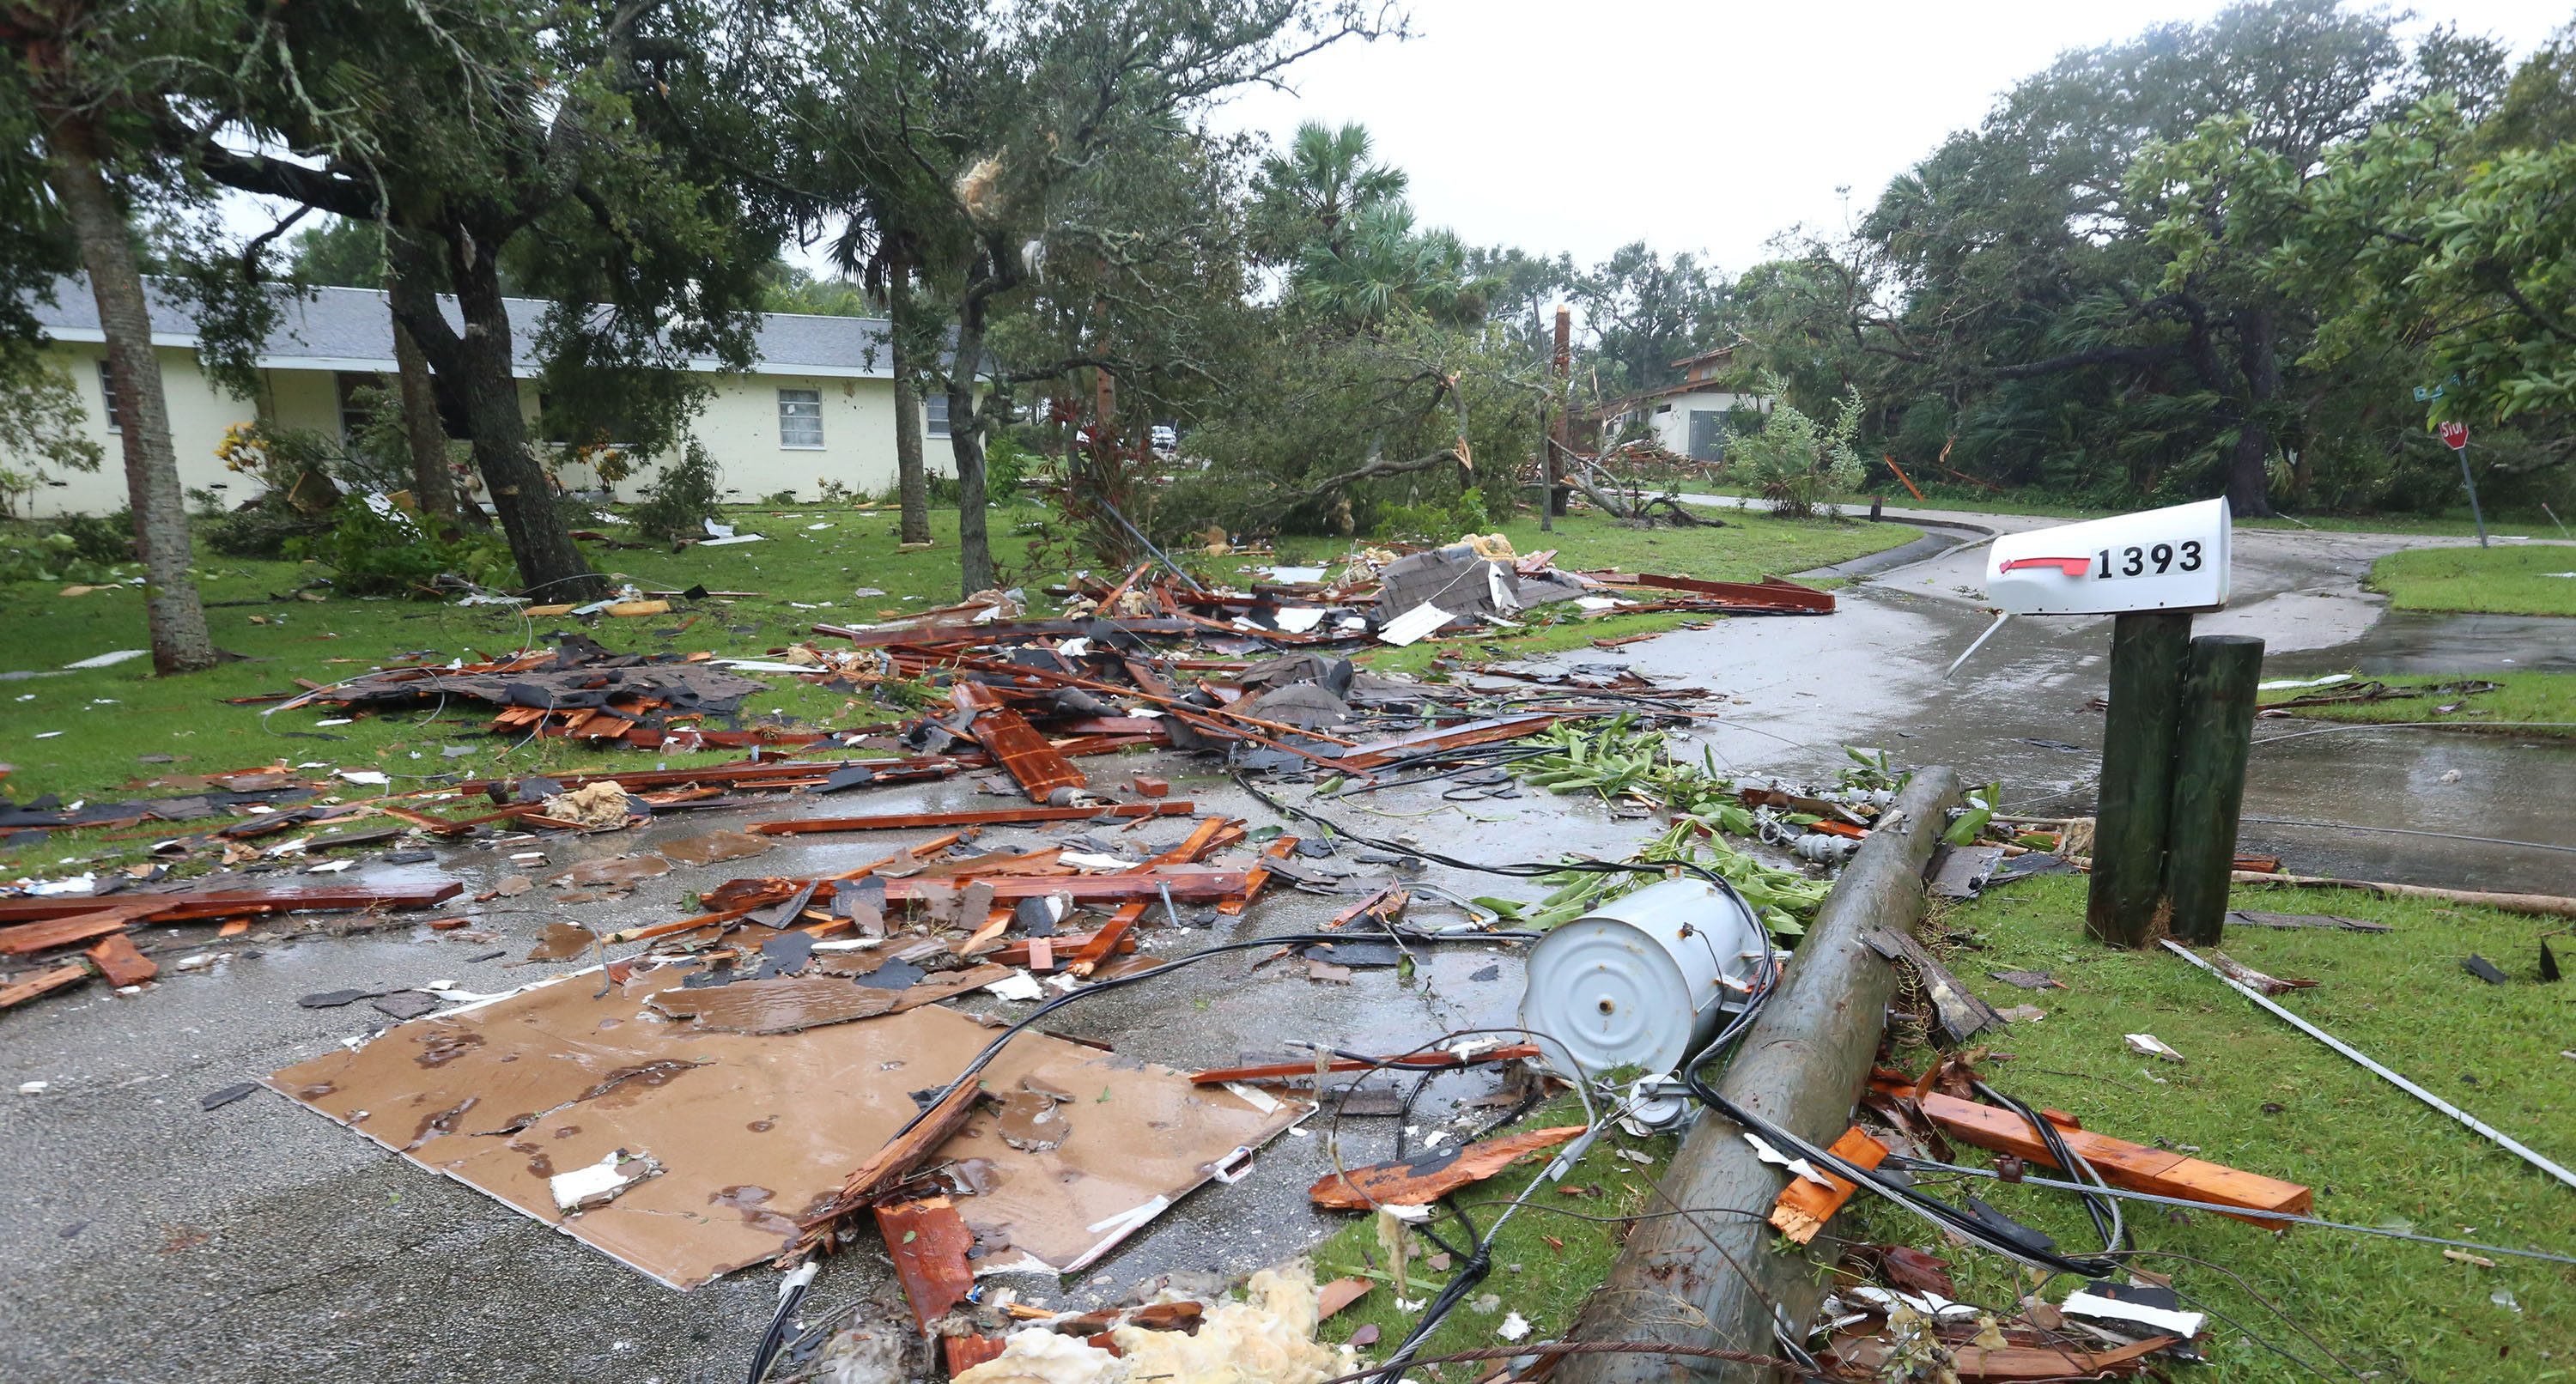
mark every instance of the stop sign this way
{"type": "Point", "coordinates": [2455, 435]}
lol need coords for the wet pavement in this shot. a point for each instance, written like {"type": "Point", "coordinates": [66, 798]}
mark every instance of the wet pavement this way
{"type": "Point", "coordinates": [149, 1239]}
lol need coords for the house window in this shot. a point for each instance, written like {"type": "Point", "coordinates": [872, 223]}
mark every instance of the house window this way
{"type": "Point", "coordinates": [800, 418]}
{"type": "Point", "coordinates": [936, 409]}
{"type": "Point", "coordinates": [107, 394]}
{"type": "Point", "coordinates": [353, 419]}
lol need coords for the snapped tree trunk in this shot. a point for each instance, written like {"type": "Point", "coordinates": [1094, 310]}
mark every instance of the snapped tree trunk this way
{"type": "Point", "coordinates": [2258, 357]}
{"type": "Point", "coordinates": [966, 442]}
{"type": "Point", "coordinates": [433, 484]}
{"type": "Point", "coordinates": [180, 643]}
{"type": "Point", "coordinates": [912, 487]}
{"type": "Point", "coordinates": [523, 496]}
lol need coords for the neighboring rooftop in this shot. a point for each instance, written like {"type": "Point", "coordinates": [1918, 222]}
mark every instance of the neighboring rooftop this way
{"type": "Point", "coordinates": [351, 329]}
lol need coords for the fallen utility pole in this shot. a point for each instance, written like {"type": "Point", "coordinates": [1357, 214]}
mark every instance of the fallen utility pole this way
{"type": "Point", "coordinates": [1805, 1058]}
{"type": "Point", "coordinates": [2498, 1137]}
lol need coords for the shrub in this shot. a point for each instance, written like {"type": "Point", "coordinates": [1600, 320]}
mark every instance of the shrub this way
{"type": "Point", "coordinates": [1801, 465]}
{"type": "Point", "coordinates": [384, 552]}
{"type": "Point", "coordinates": [681, 499]}
{"type": "Point", "coordinates": [104, 539]}
{"type": "Point", "coordinates": [49, 557]}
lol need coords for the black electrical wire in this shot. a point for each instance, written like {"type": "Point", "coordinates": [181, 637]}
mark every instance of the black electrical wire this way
{"type": "Point", "coordinates": [2280, 1219]}
{"type": "Point", "coordinates": [775, 1336]}
{"type": "Point", "coordinates": [1479, 1263]}
{"type": "Point", "coordinates": [2103, 1211]}
{"type": "Point", "coordinates": [1532, 870]}
{"type": "Point", "coordinates": [1951, 1218]}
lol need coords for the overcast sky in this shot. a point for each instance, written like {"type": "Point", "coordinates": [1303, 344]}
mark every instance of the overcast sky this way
{"type": "Point", "coordinates": [1743, 119]}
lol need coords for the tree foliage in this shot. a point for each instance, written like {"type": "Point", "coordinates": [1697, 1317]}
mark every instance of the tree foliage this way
{"type": "Point", "coordinates": [2088, 292]}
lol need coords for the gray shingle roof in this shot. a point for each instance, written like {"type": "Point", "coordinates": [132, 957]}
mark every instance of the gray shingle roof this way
{"type": "Point", "coordinates": [350, 329]}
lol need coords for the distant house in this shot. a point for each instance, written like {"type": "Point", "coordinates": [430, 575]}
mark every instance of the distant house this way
{"type": "Point", "coordinates": [1688, 417]}
{"type": "Point", "coordinates": [817, 403]}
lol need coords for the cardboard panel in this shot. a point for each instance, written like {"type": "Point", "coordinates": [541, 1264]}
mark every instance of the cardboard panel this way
{"type": "Point", "coordinates": [751, 1132]}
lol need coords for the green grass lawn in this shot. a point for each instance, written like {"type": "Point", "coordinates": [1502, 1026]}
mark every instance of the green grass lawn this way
{"type": "Point", "coordinates": [2520, 700]}
{"type": "Point", "coordinates": [1547, 1259]}
{"type": "Point", "coordinates": [2516, 579]}
{"type": "Point", "coordinates": [2256, 1094]}
{"type": "Point", "coordinates": [93, 733]}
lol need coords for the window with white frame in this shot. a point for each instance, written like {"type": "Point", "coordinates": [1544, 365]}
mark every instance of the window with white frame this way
{"type": "Point", "coordinates": [107, 395]}
{"type": "Point", "coordinates": [935, 408]}
{"type": "Point", "coordinates": [800, 418]}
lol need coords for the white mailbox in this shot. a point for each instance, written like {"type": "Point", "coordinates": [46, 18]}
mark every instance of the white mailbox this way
{"type": "Point", "coordinates": [2163, 559]}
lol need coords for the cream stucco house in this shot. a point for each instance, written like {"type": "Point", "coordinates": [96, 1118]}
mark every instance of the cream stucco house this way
{"type": "Point", "coordinates": [1689, 417]}
{"type": "Point", "coordinates": [817, 403]}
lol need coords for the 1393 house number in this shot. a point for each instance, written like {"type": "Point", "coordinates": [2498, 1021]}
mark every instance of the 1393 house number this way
{"type": "Point", "coordinates": [2156, 559]}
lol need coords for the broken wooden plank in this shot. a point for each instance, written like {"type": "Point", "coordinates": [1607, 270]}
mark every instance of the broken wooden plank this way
{"type": "Point", "coordinates": [889, 1167]}
{"type": "Point", "coordinates": [1024, 951]}
{"type": "Point", "coordinates": [1453, 737]}
{"type": "Point", "coordinates": [1962, 1014]}
{"type": "Point", "coordinates": [1430, 1059]}
{"type": "Point", "coordinates": [121, 962]}
{"type": "Point", "coordinates": [2135, 1167]}
{"type": "Point", "coordinates": [1427, 1177]}
{"type": "Point", "coordinates": [1871, 1355]}
{"type": "Point", "coordinates": [1194, 885]}
{"type": "Point", "coordinates": [42, 983]}
{"type": "Point", "coordinates": [1385, 903]}
{"type": "Point", "coordinates": [928, 1241]}
{"type": "Point", "coordinates": [1278, 849]}
{"type": "Point", "coordinates": [1804, 1207]}
{"type": "Point", "coordinates": [2249, 917]}
{"type": "Point", "coordinates": [1770, 594]}
{"type": "Point", "coordinates": [791, 1004]}
{"type": "Point", "coordinates": [1002, 816]}
{"type": "Point", "coordinates": [1023, 753]}
{"type": "Point", "coordinates": [190, 907]}
{"type": "Point", "coordinates": [26, 938]}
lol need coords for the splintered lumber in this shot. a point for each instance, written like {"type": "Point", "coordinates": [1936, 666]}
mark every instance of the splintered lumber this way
{"type": "Point", "coordinates": [1193, 885]}
{"type": "Point", "coordinates": [1457, 737]}
{"type": "Point", "coordinates": [1277, 850]}
{"type": "Point", "coordinates": [928, 1241]}
{"type": "Point", "coordinates": [1804, 1207]}
{"type": "Point", "coordinates": [1008, 737]}
{"type": "Point", "coordinates": [1024, 951]}
{"type": "Point", "coordinates": [889, 1167]}
{"type": "Point", "coordinates": [1770, 594]}
{"type": "Point", "coordinates": [1002, 816]}
{"type": "Point", "coordinates": [117, 958]}
{"type": "Point", "coordinates": [1209, 834]}
{"type": "Point", "coordinates": [1429, 1060]}
{"type": "Point", "coordinates": [2536, 905]}
{"type": "Point", "coordinates": [26, 938]}
{"type": "Point", "coordinates": [193, 907]}
{"type": "Point", "coordinates": [1870, 1356]}
{"type": "Point", "coordinates": [1962, 1014]}
{"type": "Point", "coordinates": [1427, 1177]}
{"type": "Point", "coordinates": [42, 983]}
{"type": "Point", "coordinates": [2251, 917]}
{"type": "Point", "coordinates": [2135, 1167]}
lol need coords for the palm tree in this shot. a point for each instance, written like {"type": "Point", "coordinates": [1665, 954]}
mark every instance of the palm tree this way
{"type": "Point", "coordinates": [1318, 186]}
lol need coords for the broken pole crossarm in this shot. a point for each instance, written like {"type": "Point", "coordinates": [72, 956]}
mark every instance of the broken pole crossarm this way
{"type": "Point", "coordinates": [2149, 651]}
{"type": "Point", "coordinates": [1806, 1054]}
{"type": "Point", "coordinates": [2501, 1139]}
{"type": "Point", "coordinates": [2209, 781]}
